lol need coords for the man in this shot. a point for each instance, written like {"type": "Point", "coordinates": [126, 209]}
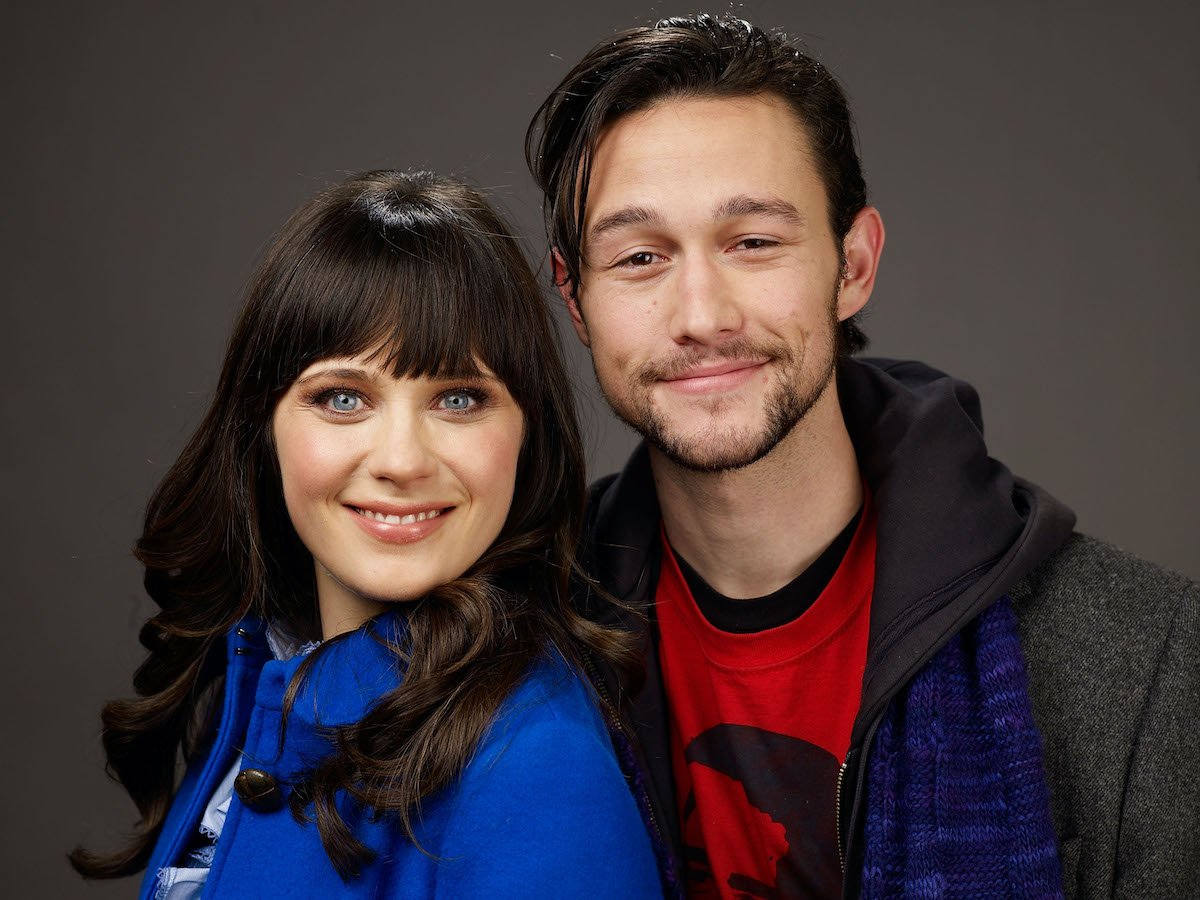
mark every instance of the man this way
{"type": "Point", "coordinates": [877, 663]}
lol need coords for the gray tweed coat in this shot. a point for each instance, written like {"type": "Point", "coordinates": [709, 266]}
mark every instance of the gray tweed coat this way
{"type": "Point", "coordinates": [1112, 645]}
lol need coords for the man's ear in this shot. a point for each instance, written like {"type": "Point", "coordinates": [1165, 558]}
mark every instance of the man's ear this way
{"type": "Point", "coordinates": [566, 289]}
{"type": "Point", "coordinates": [860, 250]}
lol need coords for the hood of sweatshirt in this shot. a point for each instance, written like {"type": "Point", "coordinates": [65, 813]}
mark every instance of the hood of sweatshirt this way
{"type": "Point", "coordinates": [955, 528]}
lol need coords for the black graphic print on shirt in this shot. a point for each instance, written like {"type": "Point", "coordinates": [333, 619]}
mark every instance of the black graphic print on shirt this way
{"type": "Point", "coordinates": [787, 780]}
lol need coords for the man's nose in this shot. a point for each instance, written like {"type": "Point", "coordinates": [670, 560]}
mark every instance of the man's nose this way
{"type": "Point", "coordinates": [705, 308]}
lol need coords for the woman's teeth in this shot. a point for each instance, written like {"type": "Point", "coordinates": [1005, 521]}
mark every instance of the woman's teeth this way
{"type": "Point", "coordinates": [398, 520]}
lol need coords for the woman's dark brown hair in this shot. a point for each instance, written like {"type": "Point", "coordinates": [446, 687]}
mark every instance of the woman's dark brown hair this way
{"type": "Point", "coordinates": [423, 271]}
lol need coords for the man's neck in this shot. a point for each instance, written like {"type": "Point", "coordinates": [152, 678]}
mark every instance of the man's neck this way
{"type": "Point", "coordinates": [749, 532]}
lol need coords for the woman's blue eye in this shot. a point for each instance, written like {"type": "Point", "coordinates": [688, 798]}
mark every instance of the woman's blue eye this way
{"type": "Point", "coordinates": [458, 401]}
{"type": "Point", "coordinates": [343, 402]}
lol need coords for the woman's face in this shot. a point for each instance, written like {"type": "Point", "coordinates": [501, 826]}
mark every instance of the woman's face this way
{"type": "Point", "coordinates": [395, 485]}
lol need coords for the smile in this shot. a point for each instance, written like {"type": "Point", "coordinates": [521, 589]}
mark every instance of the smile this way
{"type": "Point", "coordinates": [720, 377]}
{"type": "Point", "coordinates": [390, 519]}
{"type": "Point", "coordinates": [400, 525]}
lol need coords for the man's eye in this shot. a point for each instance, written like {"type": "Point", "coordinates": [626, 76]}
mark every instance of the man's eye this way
{"type": "Point", "coordinates": [637, 260]}
{"type": "Point", "coordinates": [756, 243]}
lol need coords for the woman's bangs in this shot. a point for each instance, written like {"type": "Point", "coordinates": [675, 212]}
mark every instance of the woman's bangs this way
{"type": "Point", "coordinates": [423, 305]}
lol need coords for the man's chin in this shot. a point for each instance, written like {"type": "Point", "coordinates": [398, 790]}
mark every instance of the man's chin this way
{"type": "Point", "coordinates": [712, 460]}
{"type": "Point", "coordinates": [713, 450]}
{"type": "Point", "coordinates": [708, 441]}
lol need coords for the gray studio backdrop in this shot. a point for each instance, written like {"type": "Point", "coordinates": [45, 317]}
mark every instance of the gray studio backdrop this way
{"type": "Point", "coordinates": [1036, 164]}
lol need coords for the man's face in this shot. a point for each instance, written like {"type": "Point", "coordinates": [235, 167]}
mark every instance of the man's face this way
{"type": "Point", "coordinates": [709, 278]}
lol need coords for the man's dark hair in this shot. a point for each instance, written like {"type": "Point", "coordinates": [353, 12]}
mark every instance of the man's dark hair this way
{"type": "Point", "coordinates": [692, 56]}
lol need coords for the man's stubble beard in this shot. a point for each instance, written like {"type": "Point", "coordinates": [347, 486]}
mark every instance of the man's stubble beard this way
{"type": "Point", "coordinates": [785, 404]}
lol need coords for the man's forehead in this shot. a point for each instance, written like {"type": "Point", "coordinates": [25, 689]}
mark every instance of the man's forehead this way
{"type": "Point", "coordinates": [674, 119]}
{"type": "Point", "coordinates": [718, 157]}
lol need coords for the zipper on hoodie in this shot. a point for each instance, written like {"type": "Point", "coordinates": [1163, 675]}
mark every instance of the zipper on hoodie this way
{"type": "Point", "coordinates": [837, 813]}
{"type": "Point", "coordinates": [865, 746]}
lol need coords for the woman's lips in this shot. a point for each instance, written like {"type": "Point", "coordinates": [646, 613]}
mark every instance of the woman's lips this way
{"type": "Point", "coordinates": [394, 525]}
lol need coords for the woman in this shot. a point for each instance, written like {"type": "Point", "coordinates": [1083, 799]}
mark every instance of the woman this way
{"type": "Point", "coordinates": [364, 652]}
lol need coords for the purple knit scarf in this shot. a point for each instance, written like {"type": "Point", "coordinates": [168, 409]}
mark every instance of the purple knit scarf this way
{"type": "Point", "coordinates": [957, 803]}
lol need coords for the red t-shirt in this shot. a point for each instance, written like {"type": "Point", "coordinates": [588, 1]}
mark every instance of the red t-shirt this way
{"type": "Point", "coordinates": [760, 724]}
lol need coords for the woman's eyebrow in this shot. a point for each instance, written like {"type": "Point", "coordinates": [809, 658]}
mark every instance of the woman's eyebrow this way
{"type": "Point", "coordinates": [477, 377]}
{"type": "Point", "coordinates": [356, 374]}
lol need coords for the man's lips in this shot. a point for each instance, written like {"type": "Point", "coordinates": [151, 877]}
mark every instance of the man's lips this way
{"type": "Point", "coordinates": [716, 376]}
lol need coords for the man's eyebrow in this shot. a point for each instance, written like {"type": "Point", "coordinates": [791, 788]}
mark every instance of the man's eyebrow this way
{"type": "Point", "coordinates": [629, 215]}
{"type": "Point", "coordinates": [773, 207]}
{"type": "Point", "coordinates": [741, 205]}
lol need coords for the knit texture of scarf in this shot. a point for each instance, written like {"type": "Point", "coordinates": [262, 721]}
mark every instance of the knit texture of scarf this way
{"type": "Point", "coordinates": [957, 803]}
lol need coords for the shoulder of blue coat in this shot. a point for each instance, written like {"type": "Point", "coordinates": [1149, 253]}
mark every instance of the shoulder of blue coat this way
{"type": "Point", "coordinates": [552, 714]}
{"type": "Point", "coordinates": [543, 809]}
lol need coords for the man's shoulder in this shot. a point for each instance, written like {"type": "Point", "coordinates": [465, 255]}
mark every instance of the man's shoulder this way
{"type": "Point", "coordinates": [1100, 629]}
{"type": "Point", "coordinates": [622, 511]}
{"type": "Point", "coordinates": [1111, 645]}
{"type": "Point", "coordinates": [1092, 585]}
{"type": "Point", "coordinates": [597, 489]}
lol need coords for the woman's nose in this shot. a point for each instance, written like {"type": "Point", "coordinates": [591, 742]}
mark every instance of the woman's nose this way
{"type": "Point", "coordinates": [401, 450]}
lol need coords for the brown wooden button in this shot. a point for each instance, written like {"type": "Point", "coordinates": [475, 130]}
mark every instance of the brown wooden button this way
{"type": "Point", "coordinates": [258, 790]}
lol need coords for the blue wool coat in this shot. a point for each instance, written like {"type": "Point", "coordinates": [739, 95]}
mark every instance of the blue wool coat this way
{"type": "Point", "coordinates": [541, 810]}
